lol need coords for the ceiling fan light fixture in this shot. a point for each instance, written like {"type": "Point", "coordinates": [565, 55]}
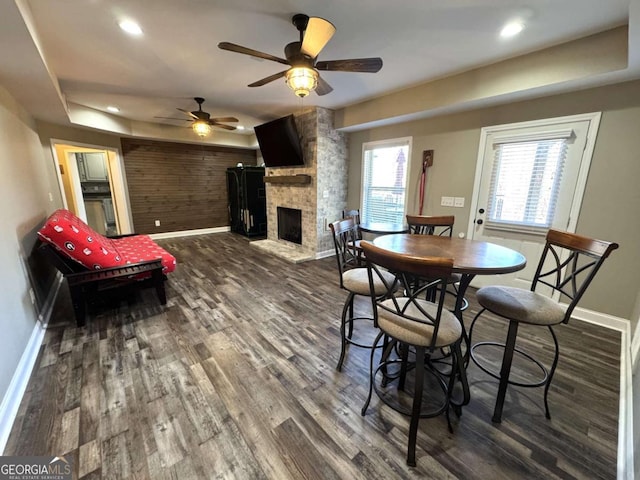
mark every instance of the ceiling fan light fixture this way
{"type": "Point", "coordinates": [201, 127]}
{"type": "Point", "coordinates": [302, 80]}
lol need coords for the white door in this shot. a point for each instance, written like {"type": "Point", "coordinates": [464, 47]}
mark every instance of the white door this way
{"type": "Point", "coordinates": [530, 177]}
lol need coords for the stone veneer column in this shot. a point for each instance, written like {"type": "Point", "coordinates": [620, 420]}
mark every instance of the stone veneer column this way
{"type": "Point", "coordinates": [322, 200]}
{"type": "Point", "coordinates": [332, 175]}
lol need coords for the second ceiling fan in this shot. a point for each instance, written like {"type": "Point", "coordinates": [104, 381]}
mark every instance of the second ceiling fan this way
{"type": "Point", "coordinates": [201, 121]}
{"type": "Point", "coordinates": [302, 58]}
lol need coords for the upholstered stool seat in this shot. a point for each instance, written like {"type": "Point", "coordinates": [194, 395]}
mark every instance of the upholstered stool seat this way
{"type": "Point", "coordinates": [357, 281]}
{"type": "Point", "coordinates": [415, 333]}
{"type": "Point", "coordinates": [522, 305]}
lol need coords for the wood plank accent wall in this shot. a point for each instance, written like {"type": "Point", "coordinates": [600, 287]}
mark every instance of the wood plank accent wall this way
{"type": "Point", "coordinates": [182, 185]}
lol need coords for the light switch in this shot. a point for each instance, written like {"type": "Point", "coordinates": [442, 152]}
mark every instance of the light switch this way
{"type": "Point", "coordinates": [446, 201]}
{"type": "Point", "coordinates": [458, 201]}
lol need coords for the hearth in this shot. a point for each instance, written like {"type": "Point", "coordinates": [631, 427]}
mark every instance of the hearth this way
{"type": "Point", "coordinates": [290, 224]}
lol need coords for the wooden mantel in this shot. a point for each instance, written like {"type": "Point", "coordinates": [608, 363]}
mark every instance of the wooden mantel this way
{"type": "Point", "coordinates": [290, 179]}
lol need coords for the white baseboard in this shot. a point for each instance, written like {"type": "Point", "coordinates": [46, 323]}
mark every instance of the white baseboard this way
{"type": "Point", "coordinates": [12, 398]}
{"type": "Point", "coordinates": [188, 233]}
{"type": "Point", "coordinates": [602, 319]}
{"type": "Point", "coordinates": [325, 254]}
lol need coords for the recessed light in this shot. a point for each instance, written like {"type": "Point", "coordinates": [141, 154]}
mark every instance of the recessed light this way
{"type": "Point", "coordinates": [113, 109]}
{"type": "Point", "coordinates": [239, 127]}
{"type": "Point", "coordinates": [130, 27]}
{"type": "Point", "coordinates": [511, 29]}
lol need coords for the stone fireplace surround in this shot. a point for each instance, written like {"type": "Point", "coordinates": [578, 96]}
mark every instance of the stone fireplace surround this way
{"type": "Point", "coordinates": [321, 200]}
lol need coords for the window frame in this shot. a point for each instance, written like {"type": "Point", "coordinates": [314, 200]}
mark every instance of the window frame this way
{"type": "Point", "coordinates": [366, 146]}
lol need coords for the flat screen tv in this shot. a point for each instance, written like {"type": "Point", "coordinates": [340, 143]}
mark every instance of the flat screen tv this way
{"type": "Point", "coordinates": [279, 143]}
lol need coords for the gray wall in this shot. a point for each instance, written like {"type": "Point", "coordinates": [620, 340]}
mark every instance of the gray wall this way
{"type": "Point", "coordinates": [24, 197]}
{"type": "Point", "coordinates": [612, 196]}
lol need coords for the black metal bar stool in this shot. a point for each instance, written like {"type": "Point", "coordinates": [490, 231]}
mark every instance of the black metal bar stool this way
{"type": "Point", "coordinates": [568, 264]}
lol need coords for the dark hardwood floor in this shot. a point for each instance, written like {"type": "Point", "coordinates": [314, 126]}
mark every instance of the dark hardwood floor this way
{"type": "Point", "coordinates": [235, 378]}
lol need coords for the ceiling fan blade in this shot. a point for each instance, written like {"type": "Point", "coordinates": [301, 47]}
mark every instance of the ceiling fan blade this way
{"type": "Point", "coordinates": [224, 119]}
{"type": "Point", "coordinates": [188, 113]}
{"type": "Point", "coordinates": [221, 125]}
{"type": "Point", "coordinates": [268, 79]}
{"type": "Point", "coordinates": [370, 65]}
{"type": "Point", "coordinates": [232, 47]}
{"type": "Point", "coordinates": [318, 33]}
{"type": "Point", "coordinates": [173, 118]}
{"type": "Point", "coordinates": [323, 87]}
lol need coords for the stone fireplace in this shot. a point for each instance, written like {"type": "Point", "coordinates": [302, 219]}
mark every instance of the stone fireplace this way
{"type": "Point", "coordinates": [318, 189]}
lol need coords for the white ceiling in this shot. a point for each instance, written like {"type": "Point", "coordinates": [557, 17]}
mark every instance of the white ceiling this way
{"type": "Point", "coordinates": [177, 58]}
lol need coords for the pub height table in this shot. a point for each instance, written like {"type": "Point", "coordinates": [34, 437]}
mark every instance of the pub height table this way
{"type": "Point", "coordinates": [470, 258]}
{"type": "Point", "coordinates": [383, 228]}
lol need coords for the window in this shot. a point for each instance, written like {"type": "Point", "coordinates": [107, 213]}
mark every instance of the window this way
{"type": "Point", "coordinates": [525, 180]}
{"type": "Point", "coordinates": [384, 180]}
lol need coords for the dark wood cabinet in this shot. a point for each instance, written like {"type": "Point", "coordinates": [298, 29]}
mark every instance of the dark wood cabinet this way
{"type": "Point", "coordinates": [247, 201]}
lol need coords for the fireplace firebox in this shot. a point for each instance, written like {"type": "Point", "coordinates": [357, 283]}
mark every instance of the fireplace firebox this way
{"type": "Point", "coordinates": [290, 224]}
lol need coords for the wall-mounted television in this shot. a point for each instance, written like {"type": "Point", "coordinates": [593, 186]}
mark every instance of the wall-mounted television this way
{"type": "Point", "coordinates": [279, 143]}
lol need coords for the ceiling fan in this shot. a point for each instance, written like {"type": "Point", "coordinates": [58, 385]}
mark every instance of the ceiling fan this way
{"type": "Point", "coordinates": [202, 121]}
{"type": "Point", "coordinates": [302, 76]}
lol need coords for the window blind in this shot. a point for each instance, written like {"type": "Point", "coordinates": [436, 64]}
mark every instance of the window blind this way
{"type": "Point", "coordinates": [525, 182]}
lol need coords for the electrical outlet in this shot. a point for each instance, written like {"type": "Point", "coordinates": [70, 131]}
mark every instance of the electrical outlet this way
{"type": "Point", "coordinates": [458, 202]}
{"type": "Point", "coordinates": [446, 201]}
{"type": "Point", "coordinates": [157, 223]}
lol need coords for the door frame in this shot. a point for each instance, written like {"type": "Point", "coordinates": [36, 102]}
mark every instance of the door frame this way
{"type": "Point", "coordinates": [592, 132]}
{"type": "Point", "coordinates": [117, 178]}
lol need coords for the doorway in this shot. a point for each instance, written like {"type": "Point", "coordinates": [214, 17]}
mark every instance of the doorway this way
{"type": "Point", "coordinates": [93, 185]}
{"type": "Point", "coordinates": [530, 177]}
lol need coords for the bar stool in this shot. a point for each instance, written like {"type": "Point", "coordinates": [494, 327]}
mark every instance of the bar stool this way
{"type": "Point", "coordinates": [355, 214]}
{"type": "Point", "coordinates": [411, 322]}
{"type": "Point", "coordinates": [442, 226]}
{"type": "Point", "coordinates": [354, 280]}
{"type": "Point", "coordinates": [568, 264]}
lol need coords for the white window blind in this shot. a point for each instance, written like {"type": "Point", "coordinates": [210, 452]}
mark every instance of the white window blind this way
{"type": "Point", "coordinates": [525, 182]}
{"type": "Point", "coordinates": [384, 181]}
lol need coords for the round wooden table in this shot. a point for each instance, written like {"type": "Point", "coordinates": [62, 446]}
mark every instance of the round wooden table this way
{"type": "Point", "coordinates": [383, 228]}
{"type": "Point", "coordinates": [470, 258]}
